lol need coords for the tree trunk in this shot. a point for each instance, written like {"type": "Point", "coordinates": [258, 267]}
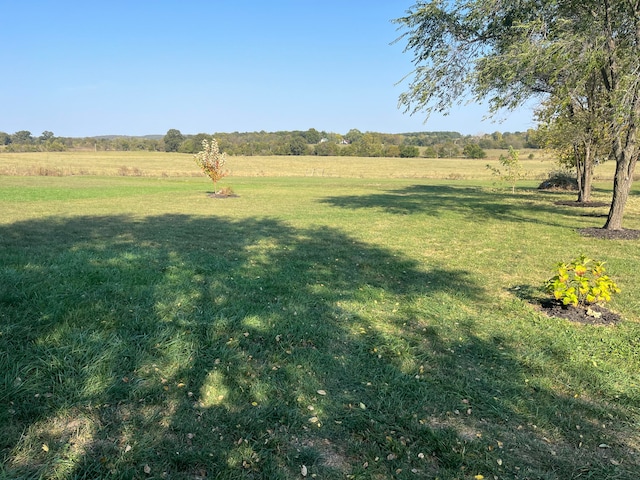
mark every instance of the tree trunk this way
{"type": "Point", "coordinates": [624, 130]}
{"type": "Point", "coordinates": [625, 166]}
{"type": "Point", "coordinates": [584, 169]}
{"type": "Point", "coordinates": [626, 151]}
{"type": "Point", "coordinates": [580, 164]}
{"type": "Point", "coordinates": [584, 194]}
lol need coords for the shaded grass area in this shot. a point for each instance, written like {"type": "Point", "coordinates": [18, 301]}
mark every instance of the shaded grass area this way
{"type": "Point", "coordinates": [365, 338]}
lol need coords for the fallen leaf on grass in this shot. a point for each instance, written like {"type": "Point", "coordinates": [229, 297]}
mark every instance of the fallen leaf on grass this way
{"type": "Point", "coordinates": [45, 447]}
{"type": "Point", "coordinates": [147, 469]}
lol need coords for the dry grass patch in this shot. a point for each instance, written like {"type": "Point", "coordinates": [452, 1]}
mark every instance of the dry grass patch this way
{"type": "Point", "coordinates": [161, 164]}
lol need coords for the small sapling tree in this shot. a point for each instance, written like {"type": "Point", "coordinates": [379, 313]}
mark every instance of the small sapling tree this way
{"type": "Point", "coordinates": [512, 169]}
{"type": "Point", "coordinates": [212, 161]}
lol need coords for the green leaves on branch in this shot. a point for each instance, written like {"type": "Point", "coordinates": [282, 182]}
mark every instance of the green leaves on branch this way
{"type": "Point", "coordinates": [511, 168]}
{"type": "Point", "coordinates": [578, 61]}
{"type": "Point", "coordinates": [581, 282]}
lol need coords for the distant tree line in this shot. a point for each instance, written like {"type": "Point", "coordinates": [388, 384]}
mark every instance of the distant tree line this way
{"type": "Point", "coordinates": [24, 141]}
{"type": "Point", "coordinates": [297, 142]}
{"type": "Point", "coordinates": [354, 143]}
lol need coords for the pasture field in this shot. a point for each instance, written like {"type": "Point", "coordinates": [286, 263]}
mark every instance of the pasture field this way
{"type": "Point", "coordinates": [374, 321]}
{"type": "Point", "coordinates": [158, 164]}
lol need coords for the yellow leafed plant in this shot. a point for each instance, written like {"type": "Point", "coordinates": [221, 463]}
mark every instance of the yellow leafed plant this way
{"type": "Point", "coordinates": [581, 282]}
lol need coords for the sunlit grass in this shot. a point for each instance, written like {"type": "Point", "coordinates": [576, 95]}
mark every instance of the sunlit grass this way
{"type": "Point", "coordinates": [361, 327]}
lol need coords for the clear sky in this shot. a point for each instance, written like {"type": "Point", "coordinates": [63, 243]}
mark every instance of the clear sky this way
{"type": "Point", "coordinates": [137, 67]}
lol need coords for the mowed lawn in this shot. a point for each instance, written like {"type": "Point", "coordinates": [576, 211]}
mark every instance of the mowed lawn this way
{"type": "Point", "coordinates": [370, 324]}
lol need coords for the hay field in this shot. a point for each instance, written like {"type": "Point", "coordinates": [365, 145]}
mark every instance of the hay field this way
{"type": "Point", "coordinates": [161, 164]}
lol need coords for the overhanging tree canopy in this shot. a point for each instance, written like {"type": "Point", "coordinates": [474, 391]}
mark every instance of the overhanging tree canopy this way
{"type": "Point", "coordinates": [507, 52]}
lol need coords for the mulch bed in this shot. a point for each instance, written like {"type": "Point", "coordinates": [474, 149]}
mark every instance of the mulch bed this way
{"type": "Point", "coordinates": [622, 234]}
{"type": "Point", "coordinates": [592, 315]}
{"type": "Point", "coordinates": [568, 203]}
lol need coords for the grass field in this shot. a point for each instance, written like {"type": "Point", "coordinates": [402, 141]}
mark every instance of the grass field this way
{"type": "Point", "coordinates": [155, 164]}
{"type": "Point", "coordinates": [368, 321]}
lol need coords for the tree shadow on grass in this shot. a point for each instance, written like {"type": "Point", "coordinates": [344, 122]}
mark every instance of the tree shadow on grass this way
{"type": "Point", "coordinates": [190, 347]}
{"type": "Point", "coordinates": [473, 202]}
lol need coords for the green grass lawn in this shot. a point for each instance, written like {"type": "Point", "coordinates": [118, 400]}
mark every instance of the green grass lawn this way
{"type": "Point", "coordinates": [359, 327]}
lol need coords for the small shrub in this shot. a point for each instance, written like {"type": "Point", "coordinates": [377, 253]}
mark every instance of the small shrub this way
{"type": "Point", "coordinates": [560, 180]}
{"type": "Point", "coordinates": [582, 282]}
{"type": "Point", "coordinates": [473, 150]}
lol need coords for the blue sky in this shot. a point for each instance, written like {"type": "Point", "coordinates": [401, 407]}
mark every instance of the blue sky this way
{"type": "Point", "coordinates": [143, 67]}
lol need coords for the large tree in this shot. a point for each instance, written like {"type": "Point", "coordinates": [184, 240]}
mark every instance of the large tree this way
{"type": "Point", "coordinates": [46, 135]}
{"type": "Point", "coordinates": [619, 22]}
{"type": "Point", "coordinates": [576, 128]}
{"type": "Point", "coordinates": [508, 52]}
{"type": "Point", "coordinates": [172, 140]}
{"type": "Point", "coordinates": [22, 136]}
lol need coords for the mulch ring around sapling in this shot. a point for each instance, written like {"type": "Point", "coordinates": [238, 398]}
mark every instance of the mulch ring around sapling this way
{"type": "Point", "coordinates": [589, 315]}
{"type": "Point", "coordinates": [222, 195]}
